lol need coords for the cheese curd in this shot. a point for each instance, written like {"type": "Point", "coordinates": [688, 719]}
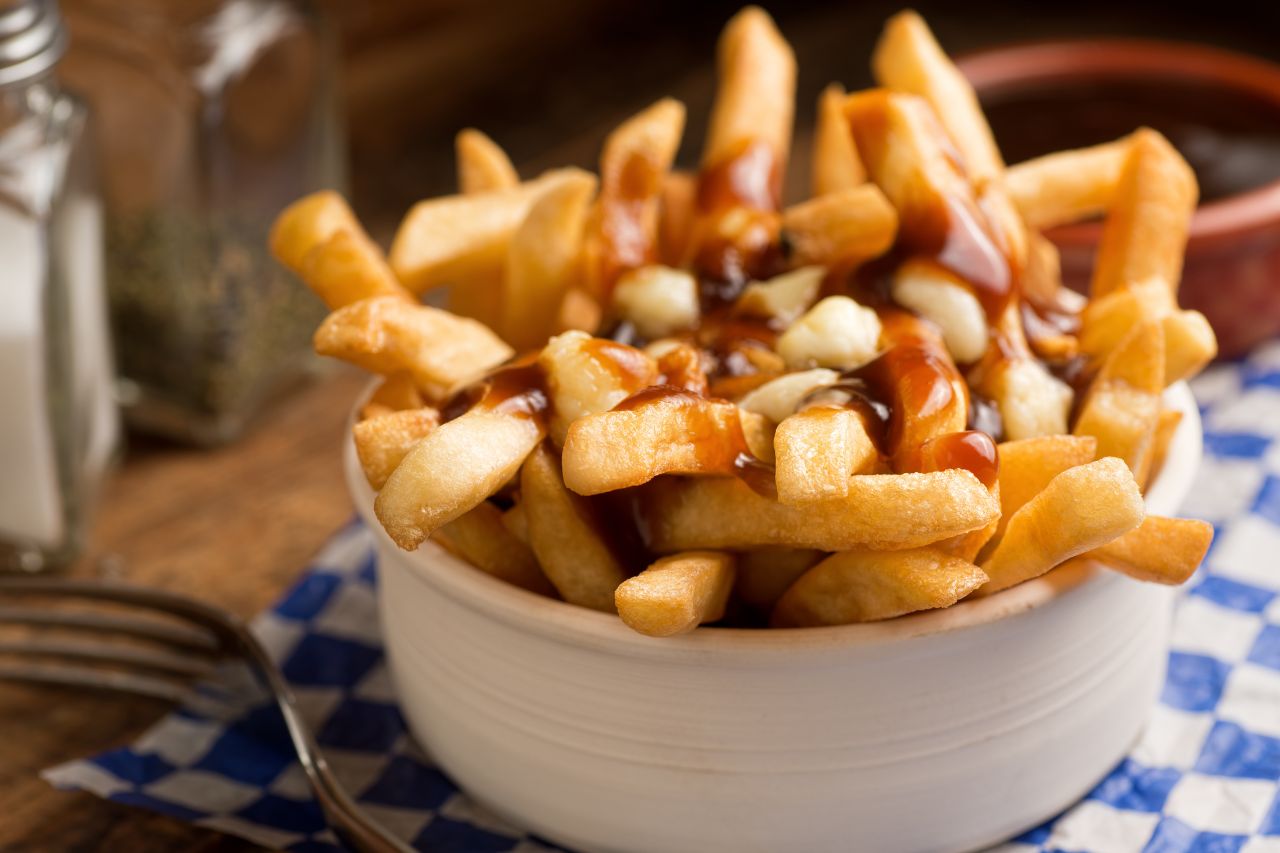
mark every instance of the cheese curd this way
{"type": "Point", "coordinates": [837, 333]}
{"type": "Point", "coordinates": [657, 300]}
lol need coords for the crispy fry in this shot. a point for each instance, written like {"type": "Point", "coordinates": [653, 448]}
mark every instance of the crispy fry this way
{"type": "Point", "coordinates": [677, 209]}
{"type": "Point", "coordinates": [453, 239]}
{"type": "Point", "coordinates": [579, 312]}
{"type": "Point", "coordinates": [564, 534]}
{"type": "Point", "coordinates": [308, 222]}
{"type": "Point", "coordinates": [907, 58]}
{"type": "Point", "coordinates": [1067, 186]}
{"type": "Point", "coordinates": [393, 394]}
{"type": "Point", "coordinates": [816, 450]}
{"type": "Point", "coordinates": [388, 335]}
{"type": "Point", "coordinates": [1189, 340]}
{"type": "Point", "coordinates": [677, 593]}
{"type": "Point", "coordinates": [758, 431]}
{"type": "Point", "coordinates": [482, 164]}
{"type": "Point", "coordinates": [866, 586]}
{"type": "Point", "coordinates": [1123, 402]}
{"type": "Point", "coordinates": [482, 539]}
{"type": "Point", "coordinates": [881, 511]}
{"type": "Point", "coordinates": [516, 522]}
{"type": "Point", "coordinates": [348, 267]}
{"type": "Point", "coordinates": [1028, 465]}
{"type": "Point", "coordinates": [755, 94]}
{"type": "Point", "coordinates": [1160, 550]}
{"type": "Point", "coordinates": [850, 226]}
{"type": "Point", "coordinates": [836, 166]}
{"type": "Point", "coordinates": [1166, 428]}
{"type": "Point", "coordinates": [587, 375]}
{"type": "Point", "coordinates": [542, 260]}
{"type": "Point", "coordinates": [1145, 234]}
{"type": "Point", "coordinates": [382, 441]}
{"type": "Point", "coordinates": [1081, 509]}
{"type": "Point", "coordinates": [1189, 345]}
{"type": "Point", "coordinates": [674, 432]}
{"type": "Point", "coordinates": [765, 573]}
{"type": "Point", "coordinates": [634, 166]}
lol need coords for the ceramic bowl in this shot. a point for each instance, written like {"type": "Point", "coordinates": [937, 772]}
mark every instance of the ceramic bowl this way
{"type": "Point", "coordinates": [946, 730]}
{"type": "Point", "coordinates": [1233, 252]}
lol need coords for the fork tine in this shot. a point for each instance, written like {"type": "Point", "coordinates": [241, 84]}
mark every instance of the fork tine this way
{"type": "Point", "coordinates": [96, 679]}
{"type": "Point", "coordinates": [108, 653]}
{"type": "Point", "coordinates": [147, 629]}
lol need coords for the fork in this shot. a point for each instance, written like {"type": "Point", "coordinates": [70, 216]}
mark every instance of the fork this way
{"type": "Point", "coordinates": [205, 635]}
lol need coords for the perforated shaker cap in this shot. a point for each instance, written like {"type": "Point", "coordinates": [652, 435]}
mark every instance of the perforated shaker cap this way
{"type": "Point", "coordinates": [32, 38]}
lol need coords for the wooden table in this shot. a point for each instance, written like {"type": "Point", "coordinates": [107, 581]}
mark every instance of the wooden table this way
{"type": "Point", "coordinates": [233, 526]}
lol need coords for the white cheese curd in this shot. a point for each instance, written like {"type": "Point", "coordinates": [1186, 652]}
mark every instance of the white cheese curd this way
{"type": "Point", "coordinates": [837, 333]}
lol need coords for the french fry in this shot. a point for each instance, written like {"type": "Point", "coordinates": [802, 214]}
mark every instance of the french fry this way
{"type": "Point", "coordinates": [482, 164]}
{"type": "Point", "coordinates": [758, 431]}
{"type": "Point", "coordinates": [587, 375]}
{"type": "Point", "coordinates": [815, 452]}
{"type": "Point", "coordinates": [1028, 465]}
{"type": "Point", "coordinates": [454, 239]}
{"type": "Point", "coordinates": [836, 166]}
{"type": "Point", "coordinates": [393, 394]}
{"type": "Point", "coordinates": [542, 260]}
{"type": "Point", "coordinates": [1189, 340]}
{"type": "Point", "coordinates": [482, 539]}
{"type": "Point", "coordinates": [1189, 345]}
{"type": "Point", "coordinates": [383, 441]}
{"type": "Point", "coordinates": [308, 222]}
{"type": "Point", "coordinates": [579, 312]}
{"type": "Point", "coordinates": [677, 208]}
{"type": "Point", "coordinates": [866, 586]}
{"type": "Point", "coordinates": [884, 511]}
{"type": "Point", "coordinates": [674, 432]}
{"type": "Point", "coordinates": [1123, 403]}
{"type": "Point", "coordinates": [849, 226]}
{"type": "Point", "coordinates": [1067, 186]}
{"type": "Point", "coordinates": [387, 335]}
{"type": "Point", "coordinates": [755, 91]}
{"type": "Point", "coordinates": [907, 58]}
{"type": "Point", "coordinates": [1166, 427]}
{"type": "Point", "coordinates": [516, 522]}
{"type": "Point", "coordinates": [676, 594]}
{"type": "Point", "coordinates": [1160, 550]}
{"type": "Point", "coordinates": [1081, 509]}
{"type": "Point", "coordinates": [458, 465]}
{"type": "Point", "coordinates": [564, 534]}
{"type": "Point", "coordinates": [765, 573]}
{"type": "Point", "coordinates": [634, 165]}
{"type": "Point", "coordinates": [1145, 234]}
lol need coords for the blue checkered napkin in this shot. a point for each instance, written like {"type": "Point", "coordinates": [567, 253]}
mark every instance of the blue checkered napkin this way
{"type": "Point", "coordinates": [1204, 777]}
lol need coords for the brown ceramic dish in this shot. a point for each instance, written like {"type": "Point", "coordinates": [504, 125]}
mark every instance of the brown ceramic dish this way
{"type": "Point", "coordinates": [1221, 109]}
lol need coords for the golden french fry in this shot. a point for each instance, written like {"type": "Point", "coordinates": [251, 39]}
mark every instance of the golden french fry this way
{"type": "Point", "coordinates": [850, 226]}
{"type": "Point", "coordinates": [542, 260]}
{"type": "Point", "coordinates": [384, 440]}
{"type": "Point", "coordinates": [676, 594]}
{"type": "Point", "coordinates": [587, 375]}
{"type": "Point", "coordinates": [516, 522]}
{"type": "Point", "coordinates": [907, 58]}
{"type": "Point", "coordinates": [634, 166]}
{"type": "Point", "coordinates": [348, 267]}
{"type": "Point", "coordinates": [479, 298]}
{"type": "Point", "coordinates": [482, 539]}
{"type": "Point", "coordinates": [755, 92]}
{"type": "Point", "coordinates": [765, 573]}
{"type": "Point", "coordinates": [816, 450]}
{"type": "Point", "coordinates": [866, 586]}
{"type": "Point", "coordinates": [398, 391]}
{"type": "Point", "coordinates": [385, 334]}
{"type": "Point", "coordinates": [458, 465]}
{"type": "Point", "coordinates": [1067, 186]}
{"type": "Point", "coordinates": [1160, 550]}
{"type": "Point", "coordinates": [308, 222]}
{"type": "Point", "coordinates": [1081, 509]}
{"type": "Point", "coordinates": [677, 209]}
{"type": "Point", "coordinates": [565, 535]}
{"type": "Point", "coordinates": [1166, 428]}
{"type": "Point", "coordinates": [758, 431]}
{"type": "Point", "coordinates": [668, 431]}
{"type": "Point", "coordinates": [453, 239]}
{"type": "Point", "coordinates": [836, 166]}
{"type": "Point", "coordinates": [482, 164]}
{"type": "Point", "coordinates": [886, 511]}
{"type": "Point", "coordinates": [579, 312]}
{"type": "Point", "coordinates": [1145, 234]}
{"type": "Point", "coordinates": [1123, 402]}
{"type": "Point", "coordinates": [1189, 345]}
{"type": "Point", "coordinates": [1028, 465]}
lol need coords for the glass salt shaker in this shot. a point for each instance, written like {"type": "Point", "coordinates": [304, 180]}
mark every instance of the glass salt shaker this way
{"type": "Point", "coordinates": [210, 117]}
{"type": "Point", "coordinates": [58, 424]}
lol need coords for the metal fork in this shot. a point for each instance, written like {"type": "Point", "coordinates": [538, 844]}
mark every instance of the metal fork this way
{"type": "Point", "coordinates": [205, 635]}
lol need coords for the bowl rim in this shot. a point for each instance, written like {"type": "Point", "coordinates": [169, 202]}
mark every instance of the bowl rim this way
{"type": "Point", "coordinates": [1027, 63]}
{"type": "Point", "coordinates": [580, 626]}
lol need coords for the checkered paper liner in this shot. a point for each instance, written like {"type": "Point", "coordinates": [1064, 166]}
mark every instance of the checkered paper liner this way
{"type": "Point", "coordinates": [1204, 778]}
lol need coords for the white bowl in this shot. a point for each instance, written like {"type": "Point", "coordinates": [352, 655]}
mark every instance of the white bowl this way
{"type": "Point", "coordinates": [946, 730]}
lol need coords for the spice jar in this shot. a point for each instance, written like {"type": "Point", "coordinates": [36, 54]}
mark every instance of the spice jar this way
{"type": "Point", "coordinates": [58, 424]}
{"type": "Point", "coordinates": [212, 115]}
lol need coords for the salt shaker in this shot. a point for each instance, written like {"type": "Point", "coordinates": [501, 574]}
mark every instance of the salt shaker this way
{"type": "Point", "coordinates": [58, 423]}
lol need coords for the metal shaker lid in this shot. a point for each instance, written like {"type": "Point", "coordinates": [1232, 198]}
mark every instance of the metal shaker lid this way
{"type": "Point", "coordinates": [32, 38]}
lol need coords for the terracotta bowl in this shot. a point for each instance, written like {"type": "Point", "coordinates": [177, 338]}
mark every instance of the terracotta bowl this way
{"type": "Point", "coordinates": [1232, 271]}
{"type": "Point", "coordinates": [940, 731]}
